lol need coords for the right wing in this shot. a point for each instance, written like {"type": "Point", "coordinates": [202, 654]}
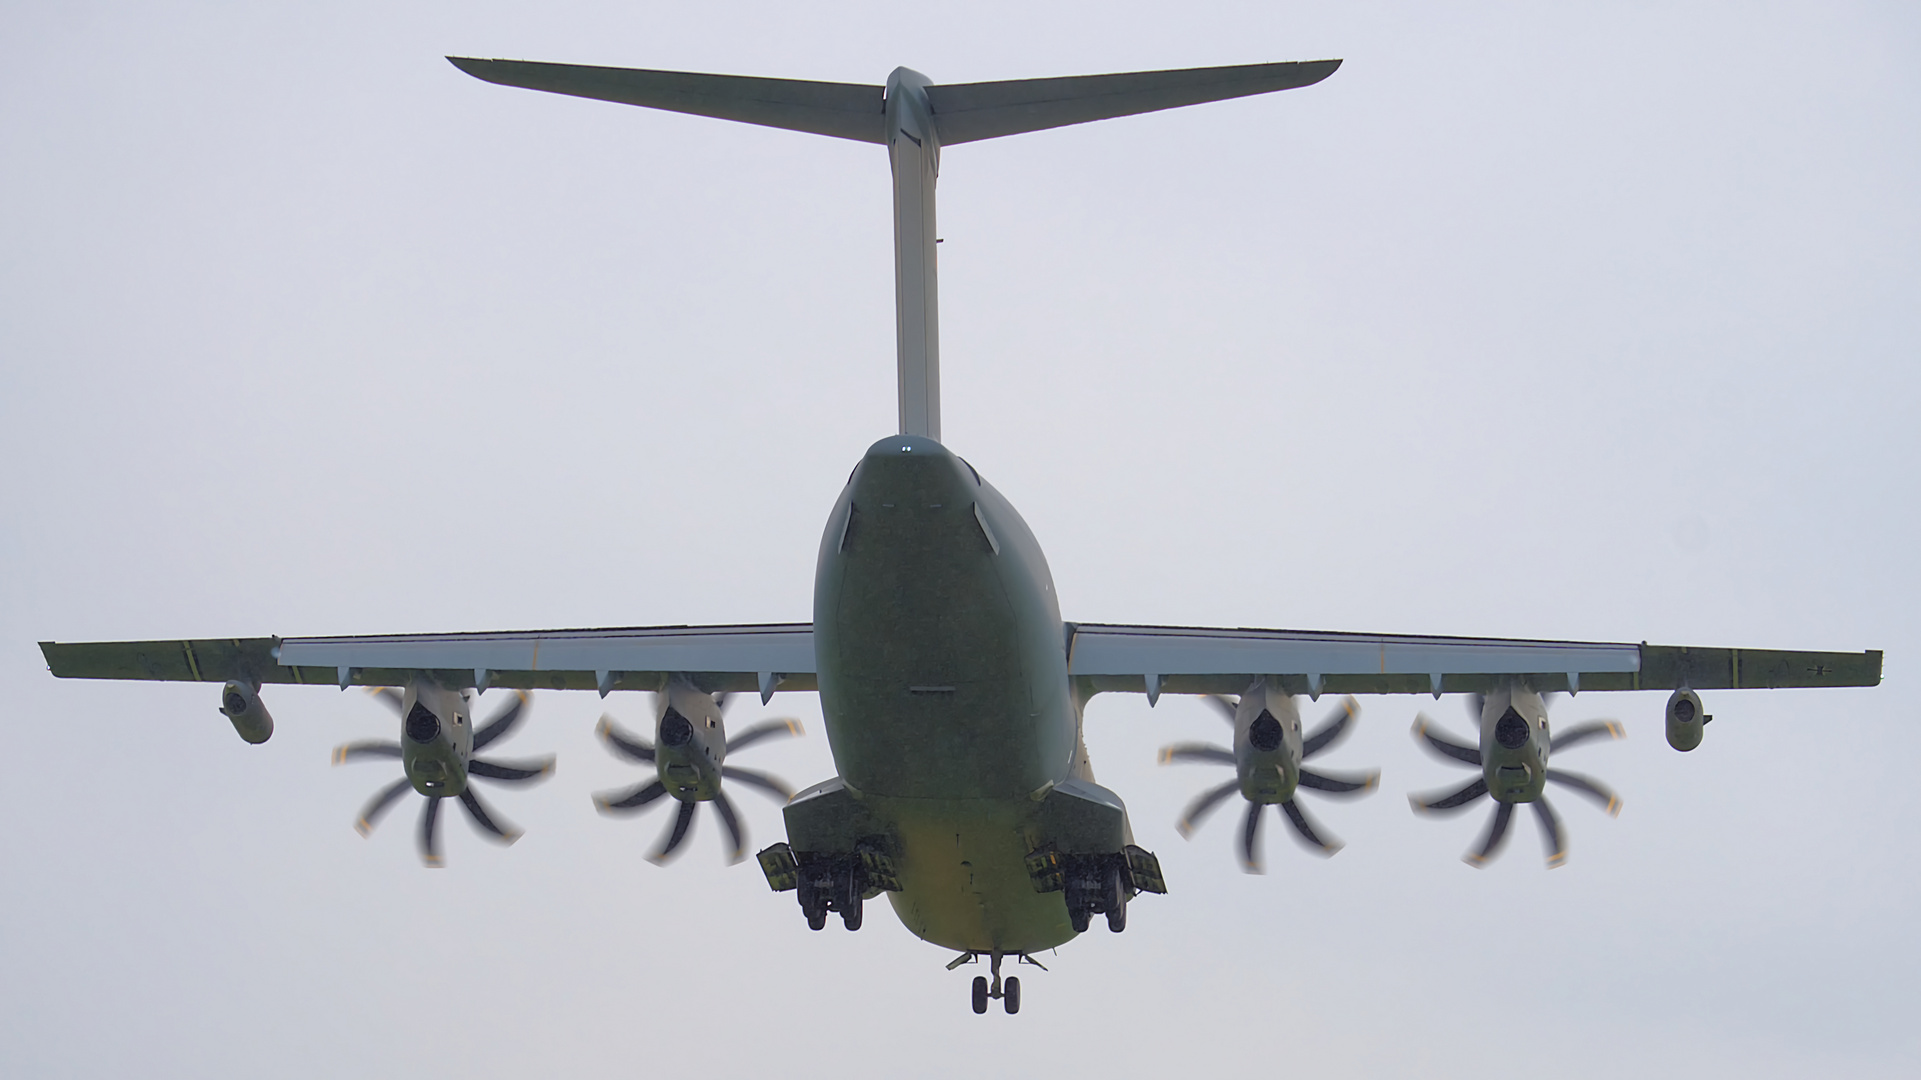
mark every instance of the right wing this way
{"type": "Point", "coordinates": [760, 658]}
{"type": "Point", "coordinates": [1204, 660]}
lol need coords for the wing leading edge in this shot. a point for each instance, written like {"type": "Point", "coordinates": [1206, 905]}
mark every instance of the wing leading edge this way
{"type": "Point", "coordinates": [759, 658]}
{"type": "Point", "coordinates": [1202, 660]}
{"type": "Point", "coordinates": [1101, 658]}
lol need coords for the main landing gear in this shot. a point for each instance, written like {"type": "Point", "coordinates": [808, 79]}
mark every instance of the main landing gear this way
{"type": "Point", "coordinates": [837, 885]}
{"type": "Point", "coordinates": [1008, 993]}
{"type": "Point", "coordinates": [1096, 887]}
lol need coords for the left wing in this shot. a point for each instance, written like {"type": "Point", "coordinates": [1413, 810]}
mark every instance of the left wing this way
{"type": "Point", "coordinates": [762, 658]}
{"type": "Point", "coordinates": [1200, 660]}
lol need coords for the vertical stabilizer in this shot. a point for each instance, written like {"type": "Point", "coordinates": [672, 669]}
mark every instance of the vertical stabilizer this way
{"type": "Point", "coordinates": [913, 147]}
{"type": "Point", "coordinates": [912, 118]}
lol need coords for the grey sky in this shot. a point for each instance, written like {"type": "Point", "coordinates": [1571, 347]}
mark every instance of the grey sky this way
{"type": "Point", "coordinates": [1593, 323]}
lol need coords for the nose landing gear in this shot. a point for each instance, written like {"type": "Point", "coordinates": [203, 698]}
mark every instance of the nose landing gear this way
{"type": "Point", "coordinates": [1008, 992]}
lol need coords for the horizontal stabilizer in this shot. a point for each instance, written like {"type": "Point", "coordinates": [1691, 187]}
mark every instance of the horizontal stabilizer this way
{"type": "Point", "coordinates": [967, 112]}
{"type": "Point", "coordinates": [963, 112]}
{"type": "Point", "coordinates": [843, 110]}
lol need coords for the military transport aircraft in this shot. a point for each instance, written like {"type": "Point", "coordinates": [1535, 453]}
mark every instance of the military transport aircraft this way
{"type": "Point", "coordinates": [952, 689]}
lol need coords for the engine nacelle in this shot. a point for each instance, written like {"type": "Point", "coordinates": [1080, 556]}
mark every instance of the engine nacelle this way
{"type": "Point", "coordinates": [1267, 744]}
{"type": "Point", "coordinates": [1686, 721]}
{"type": "Point", "coordinates": [690, 742]}
{"type": "Point", "coordinates": [436, 738]}
{"type": "Point", "coordinates": [1514, 743]}
{"type": "Point", "coordinates": [240, 703]}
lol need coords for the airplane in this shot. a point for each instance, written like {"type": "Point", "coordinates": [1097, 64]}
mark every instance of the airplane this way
{"type": "Point", "coordinates": [952, 689]}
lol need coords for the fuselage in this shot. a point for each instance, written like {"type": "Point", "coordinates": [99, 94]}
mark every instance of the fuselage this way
{"type": "Point", "coordinates": [943, 682]}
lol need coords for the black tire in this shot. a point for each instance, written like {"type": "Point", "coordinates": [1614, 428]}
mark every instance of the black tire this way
{"type": "Point", "coordinates": [1078, 917]}
{"type": "Point", "coordinates": [1113, 892]}
{"type": "Point", "coordinates": [980, 994]}
{"type": "Point", "coordinates": [816, 920]}
{"type": "Point", "coordinates": [1117, 917]}
{"type": "Point", "coordinates": [850, 914]}
{"type": "Point", "coordinates": [1011, 995]}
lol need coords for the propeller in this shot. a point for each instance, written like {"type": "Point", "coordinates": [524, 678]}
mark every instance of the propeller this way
{"type": "Point", "coordinates": [632, 800]}
{"type": "Point", "coordinates": [506, 772]}
{"type": "Point", "coordinates": [1336, 727]}
{"type": "Point", "coordinates": [1450, 749]}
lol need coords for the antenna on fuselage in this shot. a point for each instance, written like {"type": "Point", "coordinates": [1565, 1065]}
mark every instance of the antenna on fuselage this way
{"type": "Point", "coordinates": [913, 119]}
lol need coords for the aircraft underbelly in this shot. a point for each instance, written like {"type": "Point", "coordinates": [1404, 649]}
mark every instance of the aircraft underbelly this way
{"type": "Point", "coordinates": [963, 876]}
{"type": "Point", "coordinates": [943, 683]}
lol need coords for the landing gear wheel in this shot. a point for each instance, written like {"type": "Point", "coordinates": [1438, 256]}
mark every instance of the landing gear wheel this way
{"type": "Point", "coordinates": [1011, 995]}
{"type": "Point", "coordinates": [816, 920]}
{"type": "Point", "coordinates": [1078, 917]}
{"type": "Point", "coordinates": [980, 994]}
{"type": "Point", "coordinates": [847, 896]}
{"type": "Point", "coordinates": [1117, 917]}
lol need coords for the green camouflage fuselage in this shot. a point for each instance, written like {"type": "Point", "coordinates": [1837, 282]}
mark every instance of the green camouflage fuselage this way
{"type": "Point", "coordinates": [943, 681]}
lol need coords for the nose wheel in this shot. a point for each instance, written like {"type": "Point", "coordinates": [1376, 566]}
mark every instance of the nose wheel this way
{"type": "Point", "coordinates": [1007, 992]}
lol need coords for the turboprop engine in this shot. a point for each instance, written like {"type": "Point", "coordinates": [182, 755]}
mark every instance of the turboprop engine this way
{"type": "Point", "coordinates": [436, 751]}
{"type": "Point", "coordinates": [1513, 759]}
{"type": "Point", "coordinates": [1267, 755]}
{"type": "Point", "coordinates": [689, 756]}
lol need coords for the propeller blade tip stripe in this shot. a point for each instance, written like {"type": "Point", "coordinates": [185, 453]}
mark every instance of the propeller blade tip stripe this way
{"type": "Point", "coordinates": [364, 827]}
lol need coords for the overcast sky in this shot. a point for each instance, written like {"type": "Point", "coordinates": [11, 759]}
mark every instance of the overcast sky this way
{"type": "Point", "coordinates": [1596, 323]}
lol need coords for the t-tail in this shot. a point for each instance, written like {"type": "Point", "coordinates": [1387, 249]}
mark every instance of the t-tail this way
{"type": "Point", "coordinates": [913, 118]}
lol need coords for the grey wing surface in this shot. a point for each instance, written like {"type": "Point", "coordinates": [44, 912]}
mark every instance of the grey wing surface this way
{"type": "Point", "coordinates": [756, 657]}
{"type": "Point", "coordinates": [1206, 660]}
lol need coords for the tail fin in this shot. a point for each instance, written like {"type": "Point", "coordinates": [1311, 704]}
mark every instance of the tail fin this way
{"type": "Point", "coordinates": [913, 118]}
